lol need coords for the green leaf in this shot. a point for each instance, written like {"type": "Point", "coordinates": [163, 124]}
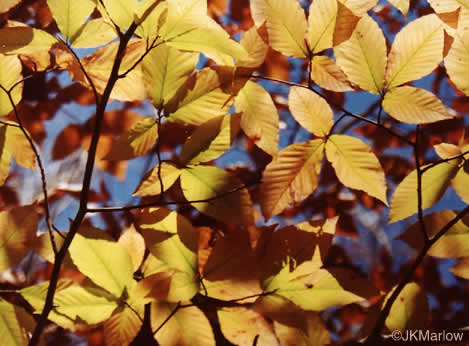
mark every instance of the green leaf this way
{"type": "Point", "coordinates": [215, 192]}
{"type": "Point", "coordinates": [18, 228]}
{"type": "Point", "coordinates": [10, 74]}
{"type": "Point", "coordinates": [150, 184]}
{"type": "Point", "coordinates": [106, 263]}
{"type": "Point", "coordinates": [11, 332]}
{"type": "Point", "coordinates": [165, 69]}
{"type": "Point", "coordinates": [259, 119]}
{"type": "Point", "coordinates": [410, 309]}
{"type": "Point", "coordinates": [70, 15]}
{"type": "Point", "coordinates": [136, 142]}
{"type": "Point", "coordinates": [356, 165]}
{"type": "Point", "coordinates": [435, 181]}
{"type": "Point", "coordinates": [121, 12]}
{"type": "Point", "coordinates": [292, 176]}
{"type": "Point", "coordinates": [147, 28]}
{"type": "Point", "coordinates": [93, 33]}
{"type": "Point", "coordinates": [211, 139]}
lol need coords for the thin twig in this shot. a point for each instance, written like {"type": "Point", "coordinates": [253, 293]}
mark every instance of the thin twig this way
{"type": "Point", "coordinates": [374, 336]}
{"type": "Point", "coordinates": [6, 123]}
{"type": "Point", "coordinates": [134, 311]}
{"type": "Point", "coordinates": [140, 59]}
{"type": "Point", "coordinates": [178, 306]}
{"type": "Point", "coordinates": [158, 154]}
{"type": "Point", "coordinates": [436, 163]}
{"type": "Point", "coordinates": [423, 227]}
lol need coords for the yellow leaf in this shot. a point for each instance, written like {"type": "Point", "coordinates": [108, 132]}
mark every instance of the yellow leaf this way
{"type": "Point", "coordinates": [136, 142]}
{"type": "Point", "coordinates": [442, 6]}
{"type": "Point", "coordinates": [363, 56]}
{"type": "Point", "coordinates": [106, 263]}
{"type": "Point", "coordinates": [184, 15]}
{"type": "Point", "coordinates": [461, 268]}
{"type": "Point", "coordinates": [414, 105]}
{"type": "Point", "coordinates": [447, 150]}
{"type": "Point", "coordinates": [256, 48]}
{"type": "Point", "coordinates": [416, 51]}
{"type": "Point", "coordinates": [70, 15]}
{"type": "Point", "coordinates": [93, 33]}
{"type": "Point", "coordinates": [435, 181]}
{"type": "Point", "coordinates": [240, 326]}
{"type": "Point", "coordinates": [150, 184]}
{"type": "Point", "coordinates": [457, 61]}
{"type": "Point", "coordinates": [10, 74]}
{"type": "Point", "coordinates": [461, 182]}
{"type": "Point", "coordinates": [291, 176]}
{"type": "Point", "coordinates": [121, 12]}
{"type": "Point", "coordinates": [410, 309]}
{"type": "Point", "coordinates": [123, 326]}
{"type": "Point", "coordinates": [28, 42]}
{"type": "Point", "coordinates": [401, 5]}
{"type": "Point", "coordinates": [11, 332]}
{"type": "Point", "coordinates": [199, 99]}
{"type": "Point", "coordinates": [164, 70]}
{"type": "Point", "coordinates": [133, 242]}
{"type": "Point", "coordinates": [312, 331]}
{"type": "Point", "coordinates": [321, 24]}
{"type": "Point", "coordinates": [359, 7]}
{"type": "Point", "coordinates": [356, 165]}
{"type": "Point", "coordinates": [203, 183]}
{"type": "Point", "coordinates": [328, 75]}
{"type": "Point", "coordinates": [176, 331]}
{"type": "Point", "coordinates": [147, 29]}
{"type": "Point", "coordinates": [259, 119]}
{"type": "Point", "coordinates": [286, 25]}
{"type": "Point", "coordinates": [13, 142]}
{"type": "Point", "coordinates": [311, 111]}
{"type": "Point", "coordinates": [7, 4]}
{"type": "Point", "coordinates": [211, 139]}
{"type": "Point", "coordinates": [18, 228]}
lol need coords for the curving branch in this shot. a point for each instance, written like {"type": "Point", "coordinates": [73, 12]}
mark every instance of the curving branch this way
{"type": "Point", "coordinates": [423, 227]}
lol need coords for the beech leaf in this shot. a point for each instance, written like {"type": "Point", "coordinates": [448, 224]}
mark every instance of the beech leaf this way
{"type": "Point", "coordinates": [70, 15]}
{"type": "Point", "coordinates": [10, 74]}
{"type": "Point", "coordinates": [457, 61]}
{"type": "Point", "coordinates": [328, 75]}
{"type": "Point", "coordinates": [150, 184]}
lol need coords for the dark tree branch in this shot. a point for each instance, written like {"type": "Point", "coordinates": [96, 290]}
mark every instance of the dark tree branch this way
{"type": "Point", "coordinates": [423, 227]}
{"type": "Point", "coordinates": [178, 306]}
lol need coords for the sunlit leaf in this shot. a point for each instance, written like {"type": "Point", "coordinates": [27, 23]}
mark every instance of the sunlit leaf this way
{"type": "Point", "coordinates": [401, 5]}
{"type": "Point", "coordinates": [321, 24]}
{"type": "Point", "coordinates": [291, 176]}
{"type": "Point", "coordinates": [187, 327]}
{"type": "Point", "coordinates": [7, 4]}
{"type": "Point", "coordinates": [133, 242]}
{"type": "Point", "coordinates": [359, 7]}
{"type": "Point", "coordinates": [10, 74]}
{"type": "Point", "coordinates": [70, 15]}
{"type": "Point", "coordinates": [121, 12]}
{"type": "Point", "coordinates": [123, 326]}
{"type": "Point", "coordinates": [18, 228]}
{"type": "Point", "coordinates": [414, 105]}
{"type": "Point", "coordinates": [259, 119]}
{"type": "Point", "coordinates": [150, 184]}
{"type": "Point", "coordinates": [106, 263]}
{"type": "Point", "coordinates": [410, 309]}
{"type": "Point", "coordinates": [326, 74]}
{"type": "Point", "coordinates": [345, 24]}
{"type": "Point", "coordinates": [147, 29]}
{"type": "Point", "coordinates": [457, 61]}
{"type": "Point", "coordinates": [136, 142]}
{"type": "Point", "coordinates": [165, 69]}
{"type": "Point", "coordinates": [356, 166]}
{"type": "Point", "coordinates": [417, 50]}
{"type": "Point", "coordinates": [363, 56]}
{"type": "Point", "coordinates": [435, 181]}
{"type": "Point", "coordinates": [442, 6]}
{"type": "Point", "coordinates": [311, 111]}
{"type": "Point", "coordinates": [240, 326]}
{"type": "Point", "coordinates": [256, 48]}
{"type": "Point", "coordinates": [211, 139]}
{"type": "Point", "coordinates": [461, 268]}
{"type": "Point", "coordinates": [11, 332]}
{"type": "Point", "coordinates": [215, 192]}
{"type": "Point", "coordinates": [286, 25]}
{"type": "Point", "coordinates": [93, 33]}
{"type": "Point", "coordinates": [447, 150]}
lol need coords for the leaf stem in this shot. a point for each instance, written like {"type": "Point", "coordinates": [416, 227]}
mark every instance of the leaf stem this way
{"type": "Point", "coordinates": [423, 227]}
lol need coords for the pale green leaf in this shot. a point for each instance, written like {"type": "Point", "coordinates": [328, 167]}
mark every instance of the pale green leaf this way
{"type": "Point", "coordinates": [457, 61]}
{"type": "Point", "coordinates": [356, 166]}
{"type": "Point", "coordinates": [259, 119]}
{"type": "Point", "coordinates": [93, 33]}
{"type": "Point", "coordinates": [211, 139]}
{"type": "Point", "coordinates": [328, 75]}
{"type": "Point", "coordinates": [70, 15]}
{"type": "Point", "coordinates": [121, 12]}
{"type": "Point", "coordinates": [363, 56]}
{"type": "Point", "coordinates": [106, 263]}
{"type": "Point", "coordinates": [321, 24]}
{"type": "Point", "coordinates": [410, 310]}
{"type": "Point", "coordinates": [150, 184]}
{"type": "Point", "coordinates": [136, 142]}
{"type": "Point", "coordinates": [416, 51]}
{"type": "Point", "coordinates": [414, 105]}
{"type": "Point", "coordinates": [311, 111]}
{"type": "Point", "coordinates": [164, 71]}
{"type": "Point", "coordinates": [435, 181]}
{"type": "Point", "coordinates": [187, 327]}
{"type": "Point", "coordinates": [10, 74]}
{"type": "Point", "coordinates": [215, 192]}
{"type": "Point", "coordinates": [147, 29]}
{"type": "Point", "coordinates": [461, 182]}
{"type": "Point", "coordinates": [11, 332]}
{"type": "Point", "coordinates": [292, 176]}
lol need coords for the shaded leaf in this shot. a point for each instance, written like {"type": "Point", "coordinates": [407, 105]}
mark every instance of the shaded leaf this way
{"type": "Point", "coordinates": [356, 166]}
{"type": "Point", "coordinates": [217, 193]}
{"type": "Point", "coordinates": [123, 326]}
{"type": "Point", "coordinates": [10, 74]}
{"type": "Point", "coordinates": [313, 333]}
{"type": "Point", "coordinates": [417, 49]}
{"type": "Point", "coordinates": [311, 111]}
{"type": "Point", "coordinates": [363, 56]}
{"type": "Point", "coordinates": [150, 184]}
{"type": "Point", "coordinates": [11, 332]}
{"type": "Point", "coordinates": [435, 181]}
{"type": "Point", "coordinates": [291, 176]}
{"type": "Point", "coordinates": [461, 268]}
{"type": "Point", "coordinates": [259, 119]}
{"type": "Point", "coordinates": [70, 15]}
{"type": "Point", "coordinates": [133, 242]}
{"type": "Point", "coordinates": [359, 7]}
{"type": "Point", "coordinates": [461, 180]}
{"type": "Point", "coordinates": [414, 105]}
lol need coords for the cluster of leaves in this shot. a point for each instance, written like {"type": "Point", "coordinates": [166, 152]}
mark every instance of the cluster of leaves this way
{"type": "Point", "coordinates": [192, 261]}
